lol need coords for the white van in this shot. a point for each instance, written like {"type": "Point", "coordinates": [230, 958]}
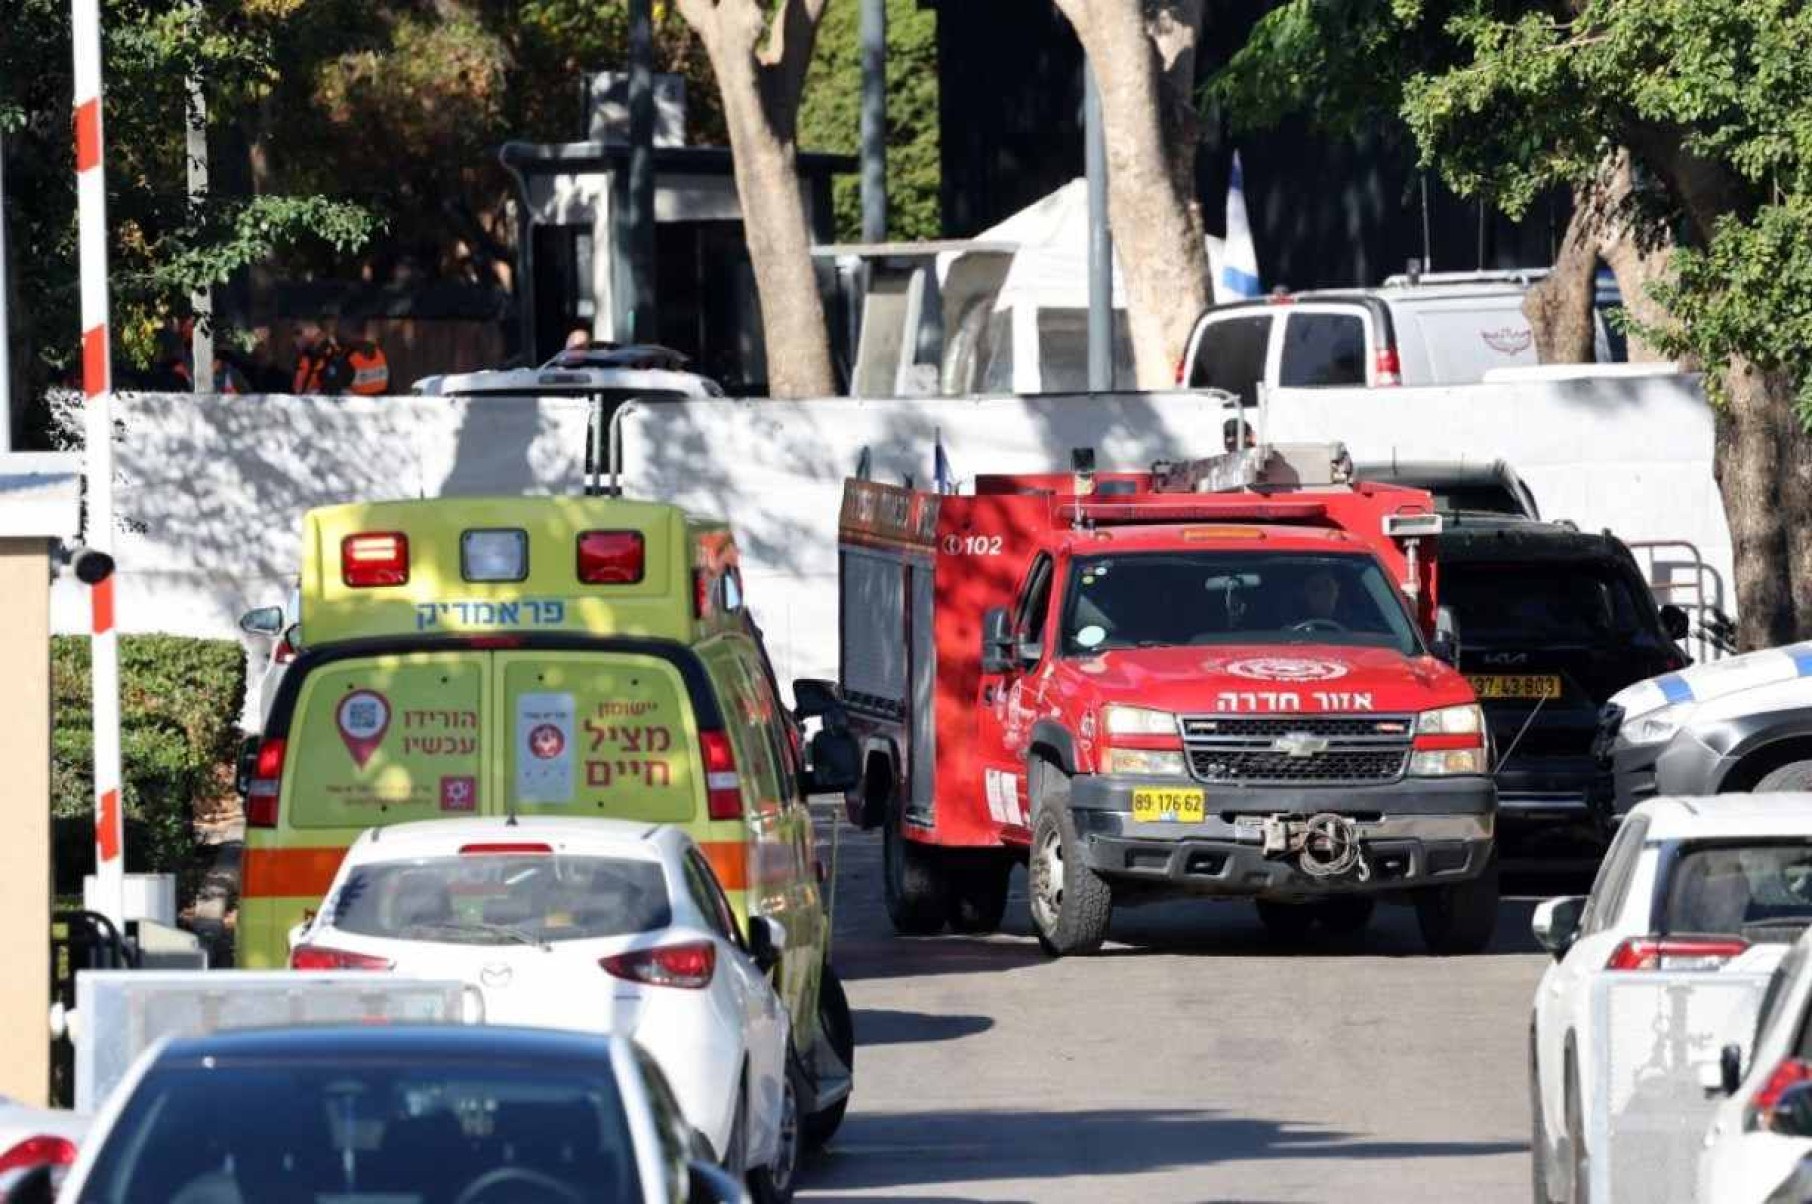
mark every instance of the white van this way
{"type": "Point", "coordinates": [1430, 330]}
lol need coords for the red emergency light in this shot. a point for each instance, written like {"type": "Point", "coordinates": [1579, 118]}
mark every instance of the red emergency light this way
{"type": "Point", "coordinates": [376, 558]}
{"type": "Point", "coordinates": [612, 557]}
{"type": "Point", "coordinates": [1156, 509]}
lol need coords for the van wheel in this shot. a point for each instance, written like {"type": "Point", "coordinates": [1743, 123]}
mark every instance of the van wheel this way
{"type": "Point", "coordinates": [978, 891]}
{"type": "Point", "coordinates": [1071, 904]}
{"type": "Point", "coordinates": [912, 881]}
{"type": "Point", "coordinates": [839, 1029]}
{"type": "Point", "coordinates": [1459, 918]}
{"type": "Point", "coordinates": [1795, 775]}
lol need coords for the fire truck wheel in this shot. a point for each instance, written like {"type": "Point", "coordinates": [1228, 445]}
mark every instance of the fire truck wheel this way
{"type": "Point", "coordinates": [1460, 918]}
{"type": "Point", "coordinates": [912, 881]}
{"type": "Point", "coordinates": [1071, 905]}
{"type": "Point", "coordinates": [978, 891]}
{"type": "Point", "coordinates": [1287, 921]}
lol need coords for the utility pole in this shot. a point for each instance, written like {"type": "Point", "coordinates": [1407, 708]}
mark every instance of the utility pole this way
{"type": "Point", "coordinates": [1100, 243]}
{"type": "Point", "coordinates": [638, 224]}
{"type": "Point", "coordinates": [874, 120]}
{"type": "Point", "coordinates": [6, 338]}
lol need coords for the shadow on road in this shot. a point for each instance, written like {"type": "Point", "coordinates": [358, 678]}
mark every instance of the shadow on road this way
{"type": "Point", "coordinates": [932, 1148]}
{"type": "Point", "coordinates": [883, 1026]}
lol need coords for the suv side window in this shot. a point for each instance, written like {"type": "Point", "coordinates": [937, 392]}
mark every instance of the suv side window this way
{"type": "Point", "coordinates": [1231, 355]}
{"type": "Point", "coordinates": [1614, 876]}
{"type": "Point", "coordinates": [1322, 349]}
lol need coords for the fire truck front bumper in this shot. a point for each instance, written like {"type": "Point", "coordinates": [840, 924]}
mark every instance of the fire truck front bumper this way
{"type": "Point", "coordinates": [1260, 842]}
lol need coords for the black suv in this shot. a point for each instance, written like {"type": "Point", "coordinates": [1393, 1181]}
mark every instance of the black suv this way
{"type": "Point", "coordinates": [1552, 622]}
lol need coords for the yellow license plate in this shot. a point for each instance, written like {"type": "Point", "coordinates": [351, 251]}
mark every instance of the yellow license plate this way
{"type": "Point", "coordinates": [1155, 805]}
{"type": "Point", "coordinates": [1512, 685]}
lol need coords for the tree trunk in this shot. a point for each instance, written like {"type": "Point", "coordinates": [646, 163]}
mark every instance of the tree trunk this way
{"type": "Point", "coordinates": [760, 87]}
{"type": "Point", "coordinates": [1560, 305]}
{"type": "Point", "coordinates": [1757, 436]}
{"type": "Point", "coordinates": [1134, 48]}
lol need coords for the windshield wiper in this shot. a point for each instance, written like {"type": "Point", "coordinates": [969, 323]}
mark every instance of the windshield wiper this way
{"type": "Point", "coordinates": [519, 935]}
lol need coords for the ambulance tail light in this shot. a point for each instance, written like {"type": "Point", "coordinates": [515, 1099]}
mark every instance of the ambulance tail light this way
{"type": "Point", "coordinates": [267, 778]}
{"type": "Point", "coordinates": [723, 785]}
{"type": "Point", "coordinates": [612, 557]}
{"type": "Point", "coordinates": [320, 957]}
{"type": "Point", "coordinates": [1387, 369]}
{"type": "Point", "coordinates": [375, 559]}
{"type": "Point", "coordinates": [1675, 953]}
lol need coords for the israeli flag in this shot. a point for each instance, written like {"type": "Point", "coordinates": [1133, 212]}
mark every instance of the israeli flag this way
{"type": "Point", "coordinates": [1239, 259]}
{"type": "Point", "coordinates": [940, 464]}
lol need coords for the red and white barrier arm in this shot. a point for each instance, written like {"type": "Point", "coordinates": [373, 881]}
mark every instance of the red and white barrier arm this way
{"type": "Point", "coordinates": [97, 386]}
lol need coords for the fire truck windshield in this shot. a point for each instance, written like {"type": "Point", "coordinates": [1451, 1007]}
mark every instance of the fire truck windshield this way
{"type": "Point", "coordinates": [1168, 599]}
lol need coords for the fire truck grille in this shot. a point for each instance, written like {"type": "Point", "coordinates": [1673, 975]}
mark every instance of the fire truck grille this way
{"type": "Point", "coordinates": [1289, 750]}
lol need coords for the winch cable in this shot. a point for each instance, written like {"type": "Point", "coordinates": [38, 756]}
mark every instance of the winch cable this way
{"type": "Point", "coordinates": [1340, 836]}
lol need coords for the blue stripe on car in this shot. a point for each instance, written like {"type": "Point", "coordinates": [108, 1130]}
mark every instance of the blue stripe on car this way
{"type": "Point", "coordinates": [1674, 688]}
{"type": "Point", "coordinates": [1802, 660]}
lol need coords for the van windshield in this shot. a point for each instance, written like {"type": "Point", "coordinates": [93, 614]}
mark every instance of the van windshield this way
{"type": "Point", "coordinates": [502, 899]}
{"type": "Point", "coordinates": [1164, 599]}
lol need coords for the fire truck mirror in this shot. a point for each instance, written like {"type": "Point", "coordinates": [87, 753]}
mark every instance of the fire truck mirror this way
{"type": "Point", "coordinates": [1446, 643]}
{"type": "Point", "coordinates": [836, 762]}
{"type": "Point", "coordinates": [997, 641]}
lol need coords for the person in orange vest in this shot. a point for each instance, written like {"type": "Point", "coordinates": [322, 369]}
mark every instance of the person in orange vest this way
{"type": "Point", "coordinates": [314, 352]}
{"type": "Point", "coordinates": [370, 368]}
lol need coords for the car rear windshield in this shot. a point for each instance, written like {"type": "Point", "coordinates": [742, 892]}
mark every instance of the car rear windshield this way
{"type": "Point", "coordinates": [1163, 599]}
{"type": "Point", "coordinates": [1756, 891]}
{"type": "Point", "coordinates": [503, 898]}
{"type": "Point", "coordinates": [1477, 499]}
{"type": "Point", "coordinates": [1535, 604]}
{"type": "Point", "coordinates": [358, 1132]}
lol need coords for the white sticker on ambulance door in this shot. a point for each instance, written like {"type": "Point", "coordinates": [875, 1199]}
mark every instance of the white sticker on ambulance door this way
{"type": "Point", "coordinates": [544, 748]}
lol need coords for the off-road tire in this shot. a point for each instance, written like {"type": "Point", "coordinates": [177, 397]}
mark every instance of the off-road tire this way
{"type": "Point", "coordinates": [776, 1182]}
{"type": "Point", "coordinates": [1288, 922]}
{"type": "Point", "coordinates": [978, 884]}
{"type": "Point", "coordinates": [913, 881]}
{"type": "Point", "coordinates": [839, 1029]}
{"type": "Point", "coordinates": [1795, 775]}
{"type": "Point", "coordinates": [1459, 919]}
{"type": "Point", "coordinates": [1071, 905]}
{"type": "Point", "coordinates": [1345, 915]}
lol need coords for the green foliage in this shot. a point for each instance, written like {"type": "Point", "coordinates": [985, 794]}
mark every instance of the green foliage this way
{"type": "Point", "coordinates": [179, 705]}
{"type": "Point", "coordinates": [831, 117]}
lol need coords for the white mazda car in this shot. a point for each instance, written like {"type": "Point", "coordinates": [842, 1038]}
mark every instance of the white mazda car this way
{"type": "Point", "coordinates": [596, 925]}
{"type": "Point", "coordinates": [1687, 884]}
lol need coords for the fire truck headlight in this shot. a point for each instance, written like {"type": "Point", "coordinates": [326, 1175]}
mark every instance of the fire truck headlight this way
{"type": "Point", "coordinates": [1137, 721]}
{"type": "Point", "coordinates": [1143, 763]}
{"type": "Point", "coordinates": [1468, 720]}
{"type": "Point", "coordinates": [1447, 762]}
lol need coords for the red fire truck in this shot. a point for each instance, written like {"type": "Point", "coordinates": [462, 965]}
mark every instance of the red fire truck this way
{"type": "Point", "coordinates": [1226, 677]}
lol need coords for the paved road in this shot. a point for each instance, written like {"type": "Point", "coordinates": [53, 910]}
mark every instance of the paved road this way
{"type": "Point", "coordinates": [1191, 1061]}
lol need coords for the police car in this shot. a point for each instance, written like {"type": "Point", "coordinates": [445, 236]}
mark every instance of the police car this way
{"type": "Point", "coordinates": [1733, 725]}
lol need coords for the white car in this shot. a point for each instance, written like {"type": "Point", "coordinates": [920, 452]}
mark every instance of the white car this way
{"type": "Point", "coordinates": [37, 1147]}
{"type": "Point", "coordinates": [1687, 884]}
{"type": "Point", "coordinates": [1762, 1134]}
{"type": "Point", "coordinates": [595, 925]}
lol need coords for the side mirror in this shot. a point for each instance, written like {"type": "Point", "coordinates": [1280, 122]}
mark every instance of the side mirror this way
{"type": "Point", "coordinates": [1793, 1111]}
{"type": "Point", "coordinates": [816, 698]}
{"type": "Point", "coordinates": [766, 941]}
{"type": "Point", "coordinates": [707, 1183]}
{"type": "Point", "coordinates": [264, 620]}
{"type": "Point", "coordinates": [1730, 1069]}
{"type": "Point", "coordinates": [836, 762]}
{"type": "Point", "coordinates": [997, 641]}
{"type": "Point", "coordinates": [246, 766]}
{"type": "Point", "coordinates": [1446, 643]}
{"type": "Point", "coordinates": [1674, 622]}
{"type": "Point", "coordinates": [1556, 923]}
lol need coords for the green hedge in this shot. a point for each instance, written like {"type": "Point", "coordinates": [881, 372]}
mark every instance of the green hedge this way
{"type": "Point", "coordinates": [180, 701]}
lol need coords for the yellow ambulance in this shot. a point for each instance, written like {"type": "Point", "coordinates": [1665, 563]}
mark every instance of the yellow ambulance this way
{"type": "Point", "coordinates": [541, 656]}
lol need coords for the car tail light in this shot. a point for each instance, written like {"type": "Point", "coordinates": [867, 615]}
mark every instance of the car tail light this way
{"type": "Point", "coordinates": [612, 557]}
{"type": "Point", "coordinates": [1182, 368]}
{"type": "Point", "coordinates": [1793, 1071]}
{"type": "Point", "coordinates": [375, 559]}
{"type": "Point", "coordinates": [1675, 953]}
{"type": "Point", "coordinates": [689, 966]}
{"type": "Point", "coordinates": [38, 1151]}
{"type": "Point", "coordinates": [723, 786]}
{"type": "Point", "coordinates": [267, 779]}
{"type": "Point", "coordinates": [319, 957]}
{"type": "Point", "coordinates": [1386, 368]}
{"type": "Point", "coordinates": [504, 847]}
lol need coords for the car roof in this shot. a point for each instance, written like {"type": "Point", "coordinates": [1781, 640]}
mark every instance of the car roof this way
{"type": "Point", "coordinates": [1495, 537]}
{"type": "Point", "coordinates": [447, 836]}
{"type": "Point", "coordinates": [1172, 537]}
{"type": "Point", "coordinates": [1727, 815]}
{"type": "Point", "coordinates": [430, 1042]}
